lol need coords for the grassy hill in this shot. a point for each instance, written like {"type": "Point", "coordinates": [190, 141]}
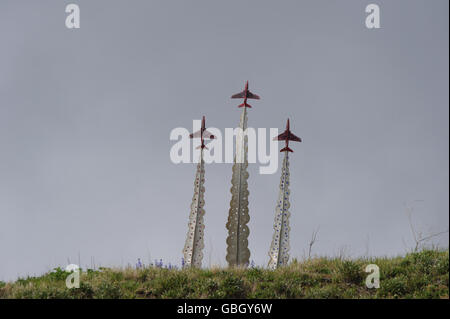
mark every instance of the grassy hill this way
{"type": "Point", "coordinates": [417, 275]}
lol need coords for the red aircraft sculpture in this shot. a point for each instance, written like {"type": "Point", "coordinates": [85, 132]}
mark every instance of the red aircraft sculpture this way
{"type": "Point", "coordinates": [287, 136]}
{"type": "Point", "coordinates": [246, 94]}
{"type": "Point", "coordinates": [202, 133]}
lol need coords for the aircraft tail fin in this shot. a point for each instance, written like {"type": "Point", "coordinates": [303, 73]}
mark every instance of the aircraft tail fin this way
{"type": "Point", "coordinates": [245, 105]}
{"type": "Point", "coordinates": [286, 149]}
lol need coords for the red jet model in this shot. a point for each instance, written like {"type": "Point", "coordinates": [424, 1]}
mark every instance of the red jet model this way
{"type": "Point", "coordinates": [246, 94]}
{"type": "Point", "coordinates": [287, 136]}
{"type": "Point", "coordinates": [202, 133]}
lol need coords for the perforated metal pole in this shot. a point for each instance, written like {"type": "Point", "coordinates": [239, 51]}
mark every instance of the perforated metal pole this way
{"type": "Point", "coordinates": [193, 248]}
{"type": "Point", "coordinates": [279, 249]}
{"type": "Point", "coordinates": [238, 253]}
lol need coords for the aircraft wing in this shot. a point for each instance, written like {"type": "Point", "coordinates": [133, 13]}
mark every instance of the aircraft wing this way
{"type": "Point", "coordinates": [196, 134]}
{"type": "Point", "coordinates": [280, 137]}
{"type": "Point", "coordinates": [294, 138]}
{"type": "Point", "coordinates": [250, 95]}
{"type": "Point", "coordinates": [238, 95]}
{"type": "Point", "coordinates": [208, 135]}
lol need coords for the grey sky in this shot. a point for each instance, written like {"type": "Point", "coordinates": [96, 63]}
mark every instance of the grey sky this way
{"type": "Point", "coordinates": [85, 117]}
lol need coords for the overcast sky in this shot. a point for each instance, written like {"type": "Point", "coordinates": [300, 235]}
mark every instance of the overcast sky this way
{"type": "Point", "coordinates": [85, 118]}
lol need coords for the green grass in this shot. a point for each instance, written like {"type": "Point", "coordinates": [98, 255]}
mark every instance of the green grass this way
{"type": "Point", "coordinates": [416, 275]}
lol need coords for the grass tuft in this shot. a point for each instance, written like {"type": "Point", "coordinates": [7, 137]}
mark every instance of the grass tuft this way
{"type": "Point", "coordinates": [422, 274]}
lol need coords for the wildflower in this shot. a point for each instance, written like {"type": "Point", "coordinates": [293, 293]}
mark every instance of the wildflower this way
{"type": "Point", "coordinates": [139, 264]}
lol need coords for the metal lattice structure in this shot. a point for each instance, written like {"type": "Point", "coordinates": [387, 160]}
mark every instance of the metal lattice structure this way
{"type": "Point", "coordinates": [238, 253]}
